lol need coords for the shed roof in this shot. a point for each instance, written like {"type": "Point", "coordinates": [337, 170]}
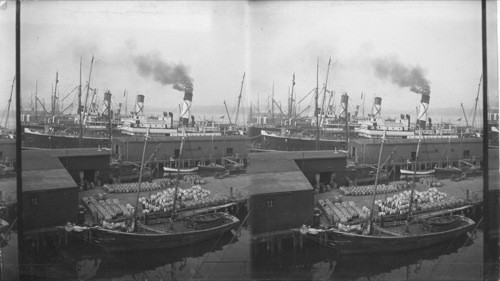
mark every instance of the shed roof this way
{"type": "Point", "coordinates": [39, 160]}
{"type": "Point", "coordinates": [44, 171]}
{"type": "Point", "coordinates": [41, 180]}
{"type": "Point", "coordinates": [280, 182]}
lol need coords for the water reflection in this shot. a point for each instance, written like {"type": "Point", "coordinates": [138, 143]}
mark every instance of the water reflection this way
{"type": "Point", "coordinates": [234, 257]}
{"type": "Point", "coordinates": [141, 265]}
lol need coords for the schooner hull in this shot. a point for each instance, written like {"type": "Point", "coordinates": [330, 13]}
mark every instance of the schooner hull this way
{"type": "Point", "coordinates": [350, 243]}
{"type": "Point", "coordinates": [113, 241]}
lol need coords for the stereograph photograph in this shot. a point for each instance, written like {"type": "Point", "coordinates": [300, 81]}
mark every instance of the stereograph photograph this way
{"type": "Point", "coordinates": [249, 140]}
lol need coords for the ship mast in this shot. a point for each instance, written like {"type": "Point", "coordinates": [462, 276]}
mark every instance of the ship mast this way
{"type": "Point", "coordinates": [80, 106]}
{"type": "Point", "coordinates": [239, 100]}
{"type": "Point", "coordinates": [413, 183]}
{"type": "Point", "coordinates": [370, 221]}
{"type": "Point", "coordinates": [316, 105]}
{"type": "Point", "coordinates": [146, 137]}
{"type": "Point", "coordinates": [228, 116]}
{"type": "Point", "coordinates": [477, 98]}
{"type": "Point", "coordinates": [178, 172]}
{"type": "Point", "coordinates": [465, 115]}
{"type": "Point", "coordinates": [292, 100]}
{"type": "Point", "coordinates": [36, 101]}
{"type": "Point", "coordinates": [10, 100]}
{"type": "Point", "coordinates": [54, 98]}
{"type": "Point", "coordinates": [88, 87]}
{"type": "Point", "coordinates": [272, 105]}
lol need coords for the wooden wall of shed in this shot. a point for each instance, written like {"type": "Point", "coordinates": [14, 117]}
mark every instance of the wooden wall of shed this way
{"type": "Point", "coordinates": [199, 149]}
{"type": "Point", "coordinates": [367, 153]}
{"type": "Point", "coordinates": [291, 210]}
{"type": "Point", "coordinates": [54, 208]}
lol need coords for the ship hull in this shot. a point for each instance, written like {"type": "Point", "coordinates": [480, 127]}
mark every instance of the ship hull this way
{"type": "Point", "coordinates": [281, 143]}
{"type": "Point", "coordinates": [39, 140]}
{"type": "Point", "coordinates": [112, 241]}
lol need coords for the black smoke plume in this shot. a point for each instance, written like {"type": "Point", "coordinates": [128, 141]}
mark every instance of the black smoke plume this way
{"type": "Point", "coordinates": [151, 65]}
{"type": "Point", "coordinates": [402, 75]}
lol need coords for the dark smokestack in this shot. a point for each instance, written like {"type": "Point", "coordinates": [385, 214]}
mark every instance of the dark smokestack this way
{"type": "Point", "coordinates": [186, 107]}
{"type": "Point", "coordinates": [377, 107]}
{"type": "Point", "coordinates": [422, 112]}
{"type": "Point", "coordinates": [107, 102]}
{"type": "Point", "coordinates": [139, 105]}
{"type": "Point", "coordinates": [402, 75]}
{"type": "Point", "coordinates": [192, 120]}
{"type": "Point", "coordinates": [344, 101]}
{"type": "Point", "coordinates": [151, 65]}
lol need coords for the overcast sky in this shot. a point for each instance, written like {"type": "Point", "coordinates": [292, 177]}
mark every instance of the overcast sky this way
{"type": "Point", "coordinates": [218, 41]}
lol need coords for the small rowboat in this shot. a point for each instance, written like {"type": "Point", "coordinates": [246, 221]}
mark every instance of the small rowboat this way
{"type": "Point", "coordinates": [418, 173]}
{"type": "Point", "coordinates": [182, 171]}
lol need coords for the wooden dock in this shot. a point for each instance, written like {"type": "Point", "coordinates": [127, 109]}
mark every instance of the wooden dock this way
{"type": "Point", "coordinates": [239, 184]}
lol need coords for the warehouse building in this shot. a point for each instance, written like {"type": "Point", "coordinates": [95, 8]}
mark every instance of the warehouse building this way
{"type": "Point", "coordinates": [432, 151]}
{"type": "Point", "coordinates": [282, 187]}
{"type": "Point", "coordinates": [165, 150]}
{"type": "Point", "coordinates": [50, 195]}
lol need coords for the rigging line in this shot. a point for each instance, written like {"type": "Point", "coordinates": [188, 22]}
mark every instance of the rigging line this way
{"type": "Point", "coordinates": [229, 246]}
{"type": "Point", "coordinates": [460, 251]}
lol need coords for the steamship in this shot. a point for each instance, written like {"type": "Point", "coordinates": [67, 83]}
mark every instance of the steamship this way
{"type": "Point", "coordinates": [97, 127]}
{"type": "Point", "coordinates": [401, 127]}
{"type": "Point", "coordinates": [98, 134]}
{"type": "Point", "coordinates": [330, 134]}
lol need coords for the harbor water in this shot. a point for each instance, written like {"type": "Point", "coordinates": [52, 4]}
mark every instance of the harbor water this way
{"type": "Point", "coordinates": [233, 256]}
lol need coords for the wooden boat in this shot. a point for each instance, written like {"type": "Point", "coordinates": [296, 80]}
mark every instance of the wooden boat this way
{"type": "Point", "coordinates": [161, 236]}
{"type": "Point", "coordinates": [458, 170]}
{"type": "Point", "coordinates": [182, 171]}
{"type": "Point", "coordinates": [409, 235]}
{"type": "Point", "coordinates": [211, 167]}
{"type": "Point", "coordinates": [395, 239]}
{"type": "Point", "coordinates": [160, 233]}
{"type": "Point", "coordinates": [364, 174]}
{"type": "Point", "coordinates": [417, 173]}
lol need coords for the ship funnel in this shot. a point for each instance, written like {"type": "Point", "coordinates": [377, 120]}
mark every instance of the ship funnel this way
{"type": "Point", "coordinates": [139, 105]}
{"type": "Point", "coordinates": [344, 102]}
{"type": "Point", "coordinates": [186, 107]}
{"type": "Point", "coordinates": [377, 107]}
{"type": "Point", "coordinates": [107, 101]}
{"type": "Point", "coordinates": [422, 112]}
